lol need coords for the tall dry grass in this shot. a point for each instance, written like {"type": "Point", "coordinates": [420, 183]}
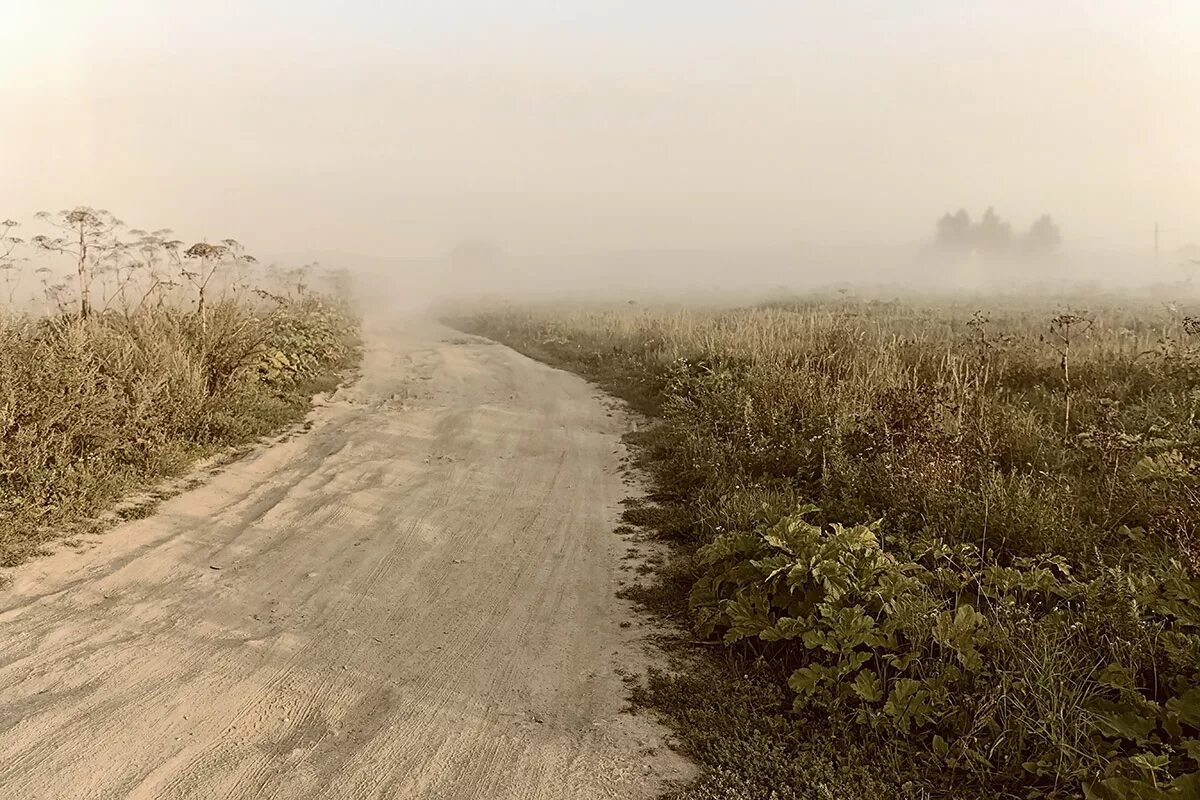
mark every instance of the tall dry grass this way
{"type": "Point", "coordinates": [91, 408]}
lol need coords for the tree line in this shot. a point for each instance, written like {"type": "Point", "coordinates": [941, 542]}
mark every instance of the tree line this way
{"type": "Point", "coordinates": [992, 235]}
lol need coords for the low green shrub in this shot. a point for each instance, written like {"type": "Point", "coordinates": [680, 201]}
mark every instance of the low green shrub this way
{"type": "Point", "coordinates": [1017, 673]}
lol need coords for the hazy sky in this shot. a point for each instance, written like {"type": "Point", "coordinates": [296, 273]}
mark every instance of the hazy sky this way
{"type": "Point", "coordinates": [403, 127]}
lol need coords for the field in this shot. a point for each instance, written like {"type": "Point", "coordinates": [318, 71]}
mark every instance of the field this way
{"type": "Point", "coordinates": [144, 360]}
{"type": "Point", "coordinates": [929, 548]}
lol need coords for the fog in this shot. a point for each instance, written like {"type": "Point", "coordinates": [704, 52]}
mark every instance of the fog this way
{"type": "Point", "coordinates": [542, 146]}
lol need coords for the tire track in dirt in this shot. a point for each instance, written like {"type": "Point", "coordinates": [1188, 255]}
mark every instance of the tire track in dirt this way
{"type": "Point", "coordinates": [414, 599]}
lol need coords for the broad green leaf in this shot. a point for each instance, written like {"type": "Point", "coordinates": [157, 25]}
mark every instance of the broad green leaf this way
{"type": "Point", "coordinates": [1122, 789]}
{"type": "Point", "coordinates": [866, 685]}
{"type": "Point", "coordinates": [901, 661]}
{"type": "Point", "coordinates": [748, 615]}
{"type": "Point", "coordinates": [1115, 676]}
{"type": "Point", "coordinates": [814, 638]}
{"type": "Point", "coordinates": [1187, 707]}
{"type": "Point", "coordinates": [940, 748]}
{"type": "Point", "coordinates": [1126, 724]}
{"type": "Point", "coordinates": [849, 628]}
{"type": "Point", "coordinates": [786, 628]}
{"type": "Point", "coordinates": [808, 680]}
{"type": "Point", "coordinates": [907, 704]}
{"type": "Point", "coordinates": [1152, 762]}
{"type": "Point", "coordinates": [1186, 787]}
{"type": "Point", "coordinates": [962, 633]}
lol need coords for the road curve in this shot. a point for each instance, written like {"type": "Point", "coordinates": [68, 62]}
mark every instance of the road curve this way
{"type": "Point", "coordinates": [413, 599]}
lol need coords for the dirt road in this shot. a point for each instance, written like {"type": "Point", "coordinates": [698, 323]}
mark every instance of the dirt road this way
{"type": "Point", "coordinates": [414, 599]}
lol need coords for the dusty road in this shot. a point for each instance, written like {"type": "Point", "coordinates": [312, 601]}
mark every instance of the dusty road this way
{"type": "Point", "coordinates": [414, 599]}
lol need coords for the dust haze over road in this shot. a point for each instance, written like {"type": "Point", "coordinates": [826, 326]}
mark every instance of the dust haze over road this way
{"type": "Point", "coordinates": [413, 599]}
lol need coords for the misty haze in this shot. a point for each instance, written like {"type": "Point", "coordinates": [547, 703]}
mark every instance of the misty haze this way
{"type": "Point", "coordinates": [753, 401]}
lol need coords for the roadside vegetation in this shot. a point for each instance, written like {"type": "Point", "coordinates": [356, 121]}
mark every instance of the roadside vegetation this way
{"type": "Point", "coordinates": [939, 551]}
{"type": "Point", "coordinates": [125, 356]}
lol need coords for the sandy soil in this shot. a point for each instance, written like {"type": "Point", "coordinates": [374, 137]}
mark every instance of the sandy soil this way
{"type": "Point", "coordinates": [414, 599]}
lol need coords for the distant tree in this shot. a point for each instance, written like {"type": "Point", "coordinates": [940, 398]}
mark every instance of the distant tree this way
{"type": "Point", "coordinates": [954, 230]}
{"type": "Point", "coordinates": [993, 235]}
{"type": "Point", "coordinates": [1043, 236]}
{"type": "Point", "coordinates": [91, 236]}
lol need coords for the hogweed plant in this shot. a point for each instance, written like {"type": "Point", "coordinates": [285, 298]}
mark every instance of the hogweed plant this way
{"type": "Point", "coordinates": [10, 262]}
{"type": "Point", "coordinates": [208, 259]}
{"type": "Point", "coordinates": [89, 236]}
{"type": "Point", "coordinates": [1062, 328]}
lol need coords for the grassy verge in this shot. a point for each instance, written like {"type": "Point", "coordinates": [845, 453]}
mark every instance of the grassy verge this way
{"type": "Point", "coordinates": [941, 554]}
{"type": "Point", "coordinates": [93, 408]}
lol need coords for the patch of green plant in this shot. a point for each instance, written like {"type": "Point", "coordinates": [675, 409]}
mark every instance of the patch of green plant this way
{"type": "Point", "coordinates": [949, 651]}
{"type": "Point", "coordinates": [734, 720]}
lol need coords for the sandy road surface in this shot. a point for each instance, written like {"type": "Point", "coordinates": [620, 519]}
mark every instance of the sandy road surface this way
{"type": "Point", "coordinates": [414, 599]}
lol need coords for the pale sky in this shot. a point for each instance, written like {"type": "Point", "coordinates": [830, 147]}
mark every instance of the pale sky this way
{"type": "Point", "coordinates": [400, 128]}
